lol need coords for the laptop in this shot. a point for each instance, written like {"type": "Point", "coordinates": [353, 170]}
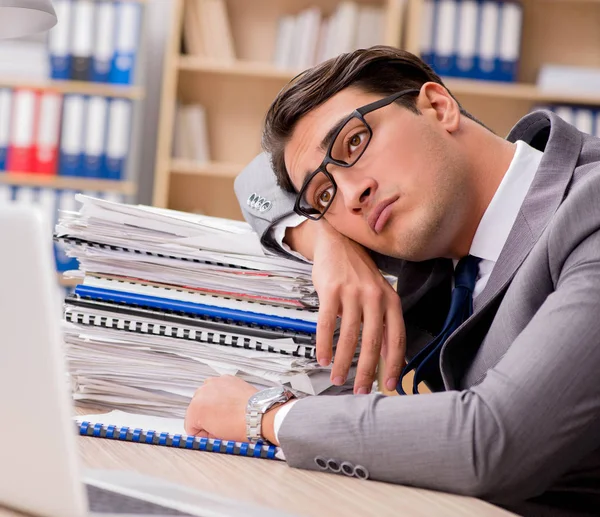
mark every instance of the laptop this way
{"type": "Point", "coordinates": [40, 472]}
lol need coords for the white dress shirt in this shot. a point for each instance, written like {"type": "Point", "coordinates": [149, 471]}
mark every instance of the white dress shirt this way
{"type": "Point", "coordinates": [491, 234]}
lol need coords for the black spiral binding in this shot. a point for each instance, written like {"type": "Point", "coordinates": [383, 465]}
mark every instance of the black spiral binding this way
{"type": "Point", "coordinates": [157, 329]}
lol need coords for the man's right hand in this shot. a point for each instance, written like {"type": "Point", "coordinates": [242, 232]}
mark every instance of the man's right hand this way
{"type": "Point", "coordinates": [350, 285]}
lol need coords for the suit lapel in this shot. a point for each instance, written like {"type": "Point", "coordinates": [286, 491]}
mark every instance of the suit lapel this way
{"type": "Point", "coordinates": [543, 199]}
{"type": "Point", "coordinates": [561, 144]}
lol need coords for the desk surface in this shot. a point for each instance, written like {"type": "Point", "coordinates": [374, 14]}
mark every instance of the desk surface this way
{"type": "Point", "coordinates": [303, 493]}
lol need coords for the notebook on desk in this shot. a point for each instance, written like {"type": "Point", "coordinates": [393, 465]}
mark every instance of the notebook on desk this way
{"type": "Point", "coordinates": [166, 432]}
{"type": "Point", "coordinates": [40, 471]}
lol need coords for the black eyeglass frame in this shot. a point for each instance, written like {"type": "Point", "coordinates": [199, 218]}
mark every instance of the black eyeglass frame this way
{"type": "Point", "coordinates": [358, 113]}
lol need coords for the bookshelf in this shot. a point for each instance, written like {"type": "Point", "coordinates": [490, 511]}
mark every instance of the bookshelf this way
{"type": "Point", "coordinates": [65, 182]}
{"type": "Point", "coordinates": [52, 189]}
{"type": "Point", "coordinates": [82, 87]}
{"type": "Point", "coordinates": [236, 93]}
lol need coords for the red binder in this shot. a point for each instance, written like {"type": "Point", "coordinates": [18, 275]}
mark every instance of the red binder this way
{"type": "Point", "coordinates": [47, 133]}
{"type": "Point", "coordinates": [20, 154]}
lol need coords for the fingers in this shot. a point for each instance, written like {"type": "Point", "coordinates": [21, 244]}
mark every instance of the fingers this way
{"type": "Point", "coordinates": [395, 345]}
{"type": "Point", "coordinates": [326, 324]}
{"type": "Point", "coordinates": [347, 342]}
{"type": "Point", "coordinates": [366, 370]}
{"type": "Point", "coordinates": [191, 424]}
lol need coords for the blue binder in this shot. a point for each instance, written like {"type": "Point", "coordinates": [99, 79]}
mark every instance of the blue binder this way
{"type": "Point", "coordinates": [65, 201]}
{"type": "Point", "coordinates": [117, 139]}
{"type": "Point", "coordinates": [59, 50]}
{"type": "Point", "coordinates": [511, 20]}
{"type": "Point", "coordinates": [488, 41]}
{"type": "Point", "coordinates": [72, 136]}
{"type": "Point", "coordinates": [104, 45]}
{"type": "Point", "coordinates": [94, 148]}
{"type": "Point", "coordinates": [444, 42]}
{"type": "Point", "coordinates": [96, 293]}
{"type": "Point", "coordinates": [469, 12]}
{"type": "Point", "coordinates": [126, 42]}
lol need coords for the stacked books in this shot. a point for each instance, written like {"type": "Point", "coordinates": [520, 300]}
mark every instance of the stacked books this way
{"type": "Point", "coordinates": [207, 30]}
{"type": "Point", "coordinates": [166, 299]}
{"type": "Point", "coordinates": [190, 135]}
{"type": "Point", "coordinates": [310, 37]}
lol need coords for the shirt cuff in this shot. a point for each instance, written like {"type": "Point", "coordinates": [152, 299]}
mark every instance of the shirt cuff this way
{"type": "Point", "coordinates": [278, 233]}
{"type": "Point", "coordinates": [279, 416]}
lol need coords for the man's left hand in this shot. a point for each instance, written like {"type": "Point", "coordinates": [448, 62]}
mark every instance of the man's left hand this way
{"type": "Point", "coordinates": [218, 409]}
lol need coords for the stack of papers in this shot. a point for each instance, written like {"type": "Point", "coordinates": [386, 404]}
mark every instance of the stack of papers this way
{"type": "Point", "coordinates": [167, 299]}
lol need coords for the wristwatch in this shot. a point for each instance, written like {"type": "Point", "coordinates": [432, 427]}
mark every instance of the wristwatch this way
{"type": "Point", "coordinates": [259, 404]}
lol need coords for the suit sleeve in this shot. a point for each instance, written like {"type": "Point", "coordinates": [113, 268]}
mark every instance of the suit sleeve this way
{"type": "Point", "coordinates": [533, 417]}
{"type": "Point", "coordinates": [257, 181]}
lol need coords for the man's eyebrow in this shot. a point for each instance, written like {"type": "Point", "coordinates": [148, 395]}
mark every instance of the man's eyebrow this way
{"type": "Point", "coordinates": [324, 145]}
{"type": "Point", "coordinates": [328, 138]}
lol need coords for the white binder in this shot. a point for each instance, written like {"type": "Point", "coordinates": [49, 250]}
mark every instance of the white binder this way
{"type": "Point", "coordinates": [104, 44]}
{"type": "Point", "coordinates": [95, 137]}
{"type": "Point", "coordinates": [466, 51]}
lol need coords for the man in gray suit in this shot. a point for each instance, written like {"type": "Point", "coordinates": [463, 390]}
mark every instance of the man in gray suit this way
{"type": "Point", "coordinates": [496, 245]}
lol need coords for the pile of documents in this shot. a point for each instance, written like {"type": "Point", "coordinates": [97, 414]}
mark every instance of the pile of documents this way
{"type": "Point", "coordinates": [167, 299]}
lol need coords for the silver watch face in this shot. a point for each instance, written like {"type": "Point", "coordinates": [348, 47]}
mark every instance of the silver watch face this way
{"type": "Point", "coordinates": [263, 400]}
{"type": "Point", "coordinates": [266, 396]}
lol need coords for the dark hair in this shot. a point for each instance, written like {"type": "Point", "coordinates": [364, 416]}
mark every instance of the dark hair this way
{"type": "Point", "coordinates": [381, 69]}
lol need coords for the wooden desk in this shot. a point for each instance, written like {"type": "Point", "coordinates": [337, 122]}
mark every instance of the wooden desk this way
{"type": "Point", "coordinates": [303, 493]}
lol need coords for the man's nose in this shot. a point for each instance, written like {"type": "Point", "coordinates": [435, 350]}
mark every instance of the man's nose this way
{"type": "Point", "coordinates": [357, 193]}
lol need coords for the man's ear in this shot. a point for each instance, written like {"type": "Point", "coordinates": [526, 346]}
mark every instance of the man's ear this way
{"type": "Point", "coordinates": [437, 101]}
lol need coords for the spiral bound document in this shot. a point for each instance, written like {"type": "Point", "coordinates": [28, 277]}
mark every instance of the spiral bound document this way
{"type": "Point", "coordinates": [125, 429]}
{"type": "Point", "coordinates": [142, 300]}
{"type": "Point", "coordinates": [194, 320]}
{"type": "Point", "coordinates": [144, 326]}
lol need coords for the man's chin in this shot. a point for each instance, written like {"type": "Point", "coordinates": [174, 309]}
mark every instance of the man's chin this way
{"type": "Point", "coordinates": [413, 253]}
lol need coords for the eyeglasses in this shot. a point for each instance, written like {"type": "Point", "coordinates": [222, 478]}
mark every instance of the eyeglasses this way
{"type": "Point", "coordinates": [348, 141]}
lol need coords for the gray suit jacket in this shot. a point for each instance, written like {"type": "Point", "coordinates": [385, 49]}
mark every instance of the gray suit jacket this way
{"type": "Point", "coordinates": [518, 420]}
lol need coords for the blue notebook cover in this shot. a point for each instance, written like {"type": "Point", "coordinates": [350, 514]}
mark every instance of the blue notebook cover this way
{"type": "Point", "coordinates": [96, 293]}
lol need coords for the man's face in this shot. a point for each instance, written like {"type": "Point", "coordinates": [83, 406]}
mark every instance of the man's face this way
{"type": "Point", "coordinates": [406, 195]}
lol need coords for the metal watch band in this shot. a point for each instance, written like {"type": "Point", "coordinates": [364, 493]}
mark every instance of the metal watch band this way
{"type": "Point", "coordinates": [254, 425]}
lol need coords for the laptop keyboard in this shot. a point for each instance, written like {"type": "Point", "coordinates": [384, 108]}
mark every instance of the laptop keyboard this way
{"type": "Point", "coordinates": [105, 501]}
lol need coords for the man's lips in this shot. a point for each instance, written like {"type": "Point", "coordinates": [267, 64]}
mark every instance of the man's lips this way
{"type": "Point", "coordinates": [380, 214]}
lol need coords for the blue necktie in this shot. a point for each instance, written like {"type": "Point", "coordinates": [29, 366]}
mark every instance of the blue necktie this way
{"type": "Point", "coordinates": [426, 363]}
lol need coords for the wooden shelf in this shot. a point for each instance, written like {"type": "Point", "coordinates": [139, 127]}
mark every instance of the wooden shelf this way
{"type": "Point", "coordinates": [220, 169]}
{"type": "Point", "coordinates": [517, 91]}
{"type": "Point", "coordinates": [83, 87]}
{"type": "Point", "coordinates": [67, 182]}
{"type": "Point", "coordinates": [235, 68]}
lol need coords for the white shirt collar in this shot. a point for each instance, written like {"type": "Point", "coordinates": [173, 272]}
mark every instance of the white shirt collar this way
{"type": "Point", "coordinates": [501, 213]}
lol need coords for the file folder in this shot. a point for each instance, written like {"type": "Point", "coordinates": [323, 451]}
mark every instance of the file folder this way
{"type": "Point", "coordinates": [95, 137]}
{"type": "Point", "coordinates": [59, 45]}
{"type": "Point", "coordinates": [510, 41]}
{"type": "Point", "coordinates": [20, 156]}
{"type": "Point", "coordinates": [48, 134]}
{"type": "Point", "coordinates": [117, 145]}
{"type": "Point", "coordinates": [126, 43]}
{"type": "Point", "coordinates": [104, 45]}
{"type": "Point", "coordinates": [72, 136]}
